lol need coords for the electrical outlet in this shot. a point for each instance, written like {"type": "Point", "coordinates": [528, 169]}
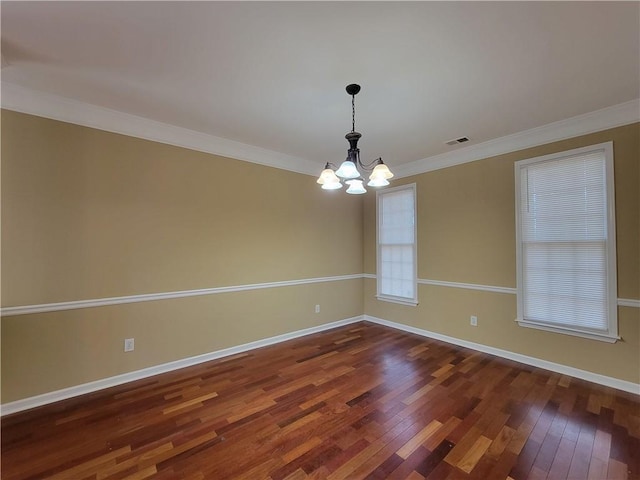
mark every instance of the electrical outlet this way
{"type": "Point", "coordinates": [317, 308]}
{"type": "Point", "coordinates": [474, 321]}
{"type": "Point", "coordinates": [129, 344]}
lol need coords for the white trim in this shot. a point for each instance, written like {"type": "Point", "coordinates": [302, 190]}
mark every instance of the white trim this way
{"type": "Point", "coordinates": [527, 360]}
{"type": "Point", "coordinates": [569, 331]}
{"type": "Point", "coordinates": [628, 302]}
{"type": "Point", "coordinates": [622, 302]}
{"type": "Point", "coordinates": [609, 117]}
{"type": "Point", "coordinates": [470, 286]}
{"type": "Point", "coordinates": [51, 397]}
{"type": "Point", "coordinates": [398, 300]}
{"type": "Point", "coordinates": [101, 302]}
{"type": "Point", "coordinates": [34, 102]}
{"type": "Point", "coordinates": [58, 395]}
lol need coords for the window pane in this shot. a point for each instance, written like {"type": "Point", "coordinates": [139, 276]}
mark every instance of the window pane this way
{"type": "Point", "coordinates": [564, 200]}
{"type": "Point", "coordinates": [564, 249]}
{"type": "Point", "coordinates": [560, 280]}
{"type": "Point", "coordinates": [396, 237]}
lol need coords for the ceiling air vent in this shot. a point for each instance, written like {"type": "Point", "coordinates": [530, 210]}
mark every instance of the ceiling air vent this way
{"type": "Point", "coordinates": [457, 141]}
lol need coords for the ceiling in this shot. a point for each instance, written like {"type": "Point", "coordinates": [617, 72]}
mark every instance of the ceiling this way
{"type": "Point", "coordinates": [273, 74]}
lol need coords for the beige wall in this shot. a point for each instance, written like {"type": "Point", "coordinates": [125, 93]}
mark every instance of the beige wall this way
{"type": "Point", "coordinates": [89, 214]}
{"type": "Point", "coordinates": [466, 234]}
{"type": "Point", "coordinates": [49, 351]}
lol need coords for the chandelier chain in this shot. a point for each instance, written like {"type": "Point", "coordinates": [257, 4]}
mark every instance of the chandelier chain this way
{"type": "Point", "coordinates": [353, 113]}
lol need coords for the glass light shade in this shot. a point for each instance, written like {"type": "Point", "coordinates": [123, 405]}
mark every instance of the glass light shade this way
{"type": "Point", "coordinates": [378, 182]}
{"type": "Point", "coordinates": [327, 176]}
{"type": "Point", "coordinates": [332, 185]}
{"type": "Point", "coordinates": [355, 187]}
{"type": "Point", "coordinates": [348, 170]}
{"type": "Point", "coordinates": [381, 170]}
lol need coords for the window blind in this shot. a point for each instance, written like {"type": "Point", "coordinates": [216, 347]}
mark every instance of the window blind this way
{"type": "Point", "coordinates": [396, 244]}
{"type": "Point", "coordinates": [563, 242]}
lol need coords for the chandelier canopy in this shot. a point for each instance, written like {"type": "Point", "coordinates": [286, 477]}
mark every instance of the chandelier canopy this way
{"type": "Point", "coordinates": [349, 171]}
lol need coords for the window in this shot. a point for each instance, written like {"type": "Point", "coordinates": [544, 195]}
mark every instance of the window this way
{"type": "Point", "coordinates": [565, 233]}
{"type": "Point", "coordinates": [397, 269]}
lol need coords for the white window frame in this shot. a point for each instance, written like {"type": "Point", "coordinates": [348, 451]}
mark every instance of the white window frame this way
{"type": "Point", "coordinates": [611, 334]}
{"type": "Point", "coordinates": [392, 298]}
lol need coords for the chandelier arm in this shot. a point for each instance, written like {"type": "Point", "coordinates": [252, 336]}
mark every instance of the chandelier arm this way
{"type": "Point", "coordinates": [369, 166]}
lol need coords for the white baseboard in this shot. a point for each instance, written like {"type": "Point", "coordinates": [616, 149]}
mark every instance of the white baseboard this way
{"type": "Point", "coordinates": [535, 362]}
{"type": "Point", "coordinates": [56, 396]}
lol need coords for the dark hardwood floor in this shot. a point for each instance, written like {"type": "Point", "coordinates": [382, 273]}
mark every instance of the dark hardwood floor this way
{"type": "Point", "coordinates": [362, 401]}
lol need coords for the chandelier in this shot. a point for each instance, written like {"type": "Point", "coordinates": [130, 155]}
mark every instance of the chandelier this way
{"type": "Point", "coordinates": [349, 171]}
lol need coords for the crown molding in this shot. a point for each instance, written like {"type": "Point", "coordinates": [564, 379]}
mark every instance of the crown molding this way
{"type": "Point", "coordinates": [610, 117]}
{"type": "Point", "coordinates": [34, 102]}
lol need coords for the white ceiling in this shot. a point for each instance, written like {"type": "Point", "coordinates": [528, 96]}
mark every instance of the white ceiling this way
{"type": "Point", "coordinates": [272, 74]}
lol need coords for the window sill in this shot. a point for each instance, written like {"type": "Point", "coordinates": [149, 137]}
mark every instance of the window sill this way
{"type": "Point", "coordinates": [566, 331]}
{"type": "Point", "coordinates": [401, 301]}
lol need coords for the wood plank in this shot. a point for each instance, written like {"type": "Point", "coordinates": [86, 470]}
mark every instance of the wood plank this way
{"type": "Point", "coordinates": [409, 447]}
{"type": "Point", "coordinates": [325, 406]}
{"type": "Point", "coordinates": [562, 460]}
{"type": "Point", "coordinates": [301, 449]}
{"type": "Point", "coordinates": [500, 442]}
{"type": "Point", "coordinates": [461, 449]}
{"type": "Point", "coordinates": [473, 455]}
{"type": "Point", "coordinates": [616, 470]}
{"type": "Point", "coordinates": [189, 403]}
{"type": "Point", "coordinates": [94, 464]}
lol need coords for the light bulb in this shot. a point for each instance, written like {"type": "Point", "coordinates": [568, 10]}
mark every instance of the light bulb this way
{"type": "Point", "coordinates": [355, 187]}
{"type": "Point", "coordinates": [378, 182]}
{"type": "Point", "coordinates": [327, 176]}
{"type": "Point", "coordinates": [381, 170]}
{"type": "Point", "coordinates": [348, 170]}
{"type": "Point", "coordinates": [332, 185]}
